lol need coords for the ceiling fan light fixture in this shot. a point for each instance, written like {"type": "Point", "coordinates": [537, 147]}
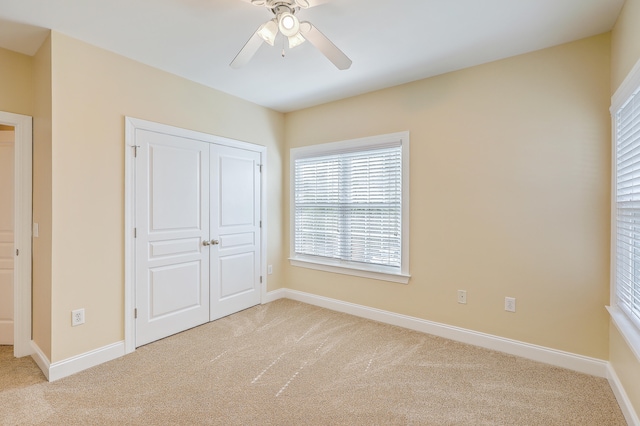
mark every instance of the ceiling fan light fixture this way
{"type": "Point", "coordinates": [268, 31]}
{"type": "Point", "coordinates": [288, 24]}
{"type": "Point", "coordinates": [295, 31]}
{"type": "Point", "coordinates": [296, 40]}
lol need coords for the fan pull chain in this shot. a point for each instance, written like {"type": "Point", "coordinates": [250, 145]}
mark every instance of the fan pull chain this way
{"type": "Point", "coordinates": [283, 46]}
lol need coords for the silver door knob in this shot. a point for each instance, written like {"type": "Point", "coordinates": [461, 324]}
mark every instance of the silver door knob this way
{"type": "Point", "coordinates": [215, 242]}
{"type": "Point", "coordinates": [205, 243]}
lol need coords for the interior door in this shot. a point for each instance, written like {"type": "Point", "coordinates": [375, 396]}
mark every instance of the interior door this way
{"type": "Point", "coordinates": [172, 233]}
{"type": "Point", "coordinates": [6, 236]}
{"type": "Point", "coordinates": [235, 230]}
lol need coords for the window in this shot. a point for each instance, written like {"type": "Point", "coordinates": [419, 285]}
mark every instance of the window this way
{"type": "Point", "coordinates": [349, 207]}
{"type": "Point", "coordinates": [625, 112]}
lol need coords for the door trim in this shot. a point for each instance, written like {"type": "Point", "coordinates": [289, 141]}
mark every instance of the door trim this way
{"type": "Point", "coordinates": [131, 126]}
{"type": "Point", "coordinates": [23, 201]}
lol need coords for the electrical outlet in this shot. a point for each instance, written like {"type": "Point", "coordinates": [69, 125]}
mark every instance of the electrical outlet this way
{"type": "Point", "coordinates": [77, 317]}
{"type": "Point", "coordinates": [510, 304]}
{"type": "Point", "coordinates": [269, 269]}
{"type": "Point", "coordinates": [462, 296]}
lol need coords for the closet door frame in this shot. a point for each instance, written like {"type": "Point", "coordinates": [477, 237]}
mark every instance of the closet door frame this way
{"type": "Point", "coordinates": [131, 126]}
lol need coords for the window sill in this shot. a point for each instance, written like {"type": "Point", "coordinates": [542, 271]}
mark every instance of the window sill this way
{"type": "Point", "coordinates": [348, 270]}
{"type": "Point", "coordinates": [627, 329]}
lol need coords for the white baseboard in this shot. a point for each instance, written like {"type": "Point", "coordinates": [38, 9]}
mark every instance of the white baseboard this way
{"type": "Point", "coordinates": [622, 397]}
{"type": "Point", "coordinates": [270, 296]}
{"type": "Point", "coordinates": [41, 359]}
{"type": "Point", "coordinates": [582, 364]}
{"type": "Point", "coordinates": [75, 364]}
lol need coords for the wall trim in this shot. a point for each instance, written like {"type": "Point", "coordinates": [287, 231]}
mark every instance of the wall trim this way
{"type": "Point", "coordinates": [575, 362]}
{"type": "Point", "coordinates": [274, 295]}
{"type": "Point", "coordinates": [40, 359]}
{"type": "Point", "coordinates": [621, 396]}
{"type": "Point", "coordinates": [69, 366]}
{"type": "Point", "coordinates": [75, 364]}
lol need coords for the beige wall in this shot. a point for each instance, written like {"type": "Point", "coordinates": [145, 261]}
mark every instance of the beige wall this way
{"type": "Point", "coordinates": [509, 195]}
{"type": "Point", "coordinates": [625, 53]}
{"type": "Point", "coordinates": [93, 90]}
{"type": "Point", "coordinates": [625, 42]}
{"type": "Point", "coordinates": [16, 83]}
{"type": "Point", "coordinates": [42, 121]}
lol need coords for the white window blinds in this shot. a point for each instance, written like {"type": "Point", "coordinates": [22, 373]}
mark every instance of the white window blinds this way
{"type": "Point", "coordinates": [627, 123]}
{"type": "Point", "coordinates": [348, 206]}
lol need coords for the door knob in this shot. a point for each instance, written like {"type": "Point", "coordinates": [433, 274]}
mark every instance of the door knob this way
{"type": "Point", "coordinates": [215, 242]}
{"type": "Point", "coordinates": [205, 243]}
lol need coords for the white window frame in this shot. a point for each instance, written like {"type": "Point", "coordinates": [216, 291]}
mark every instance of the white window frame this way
{"type": "Point", "coordinates": [338, 266]}
{"type": "Point", "coordinates": [626, 325]}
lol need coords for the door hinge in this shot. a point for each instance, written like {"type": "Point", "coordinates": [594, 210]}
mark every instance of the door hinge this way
{"type": "Point", "coordinates": [260, 224]}
{"type": "Point", "coordinates": [135, 232]}
{"type": "Point", "coordinates": [260, 279]}
{"type": "Point", "coordinates": [135, 150]}
{"type": "Point", "coordinates": [135, 313]}
{"type": "Point", "coordinates": [260, 165]}
{"type": "Point", "coordinates": [17, 252]}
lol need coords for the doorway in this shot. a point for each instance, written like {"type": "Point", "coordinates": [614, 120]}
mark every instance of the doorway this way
{"type": "Point", "coordinates": [194, 222]}
{"type": "Point", "coordinates": [15, 231]}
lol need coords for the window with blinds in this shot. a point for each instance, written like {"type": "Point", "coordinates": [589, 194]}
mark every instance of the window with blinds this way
{"type": "Point", "coordinates": [347, 204]}
{"type": "Point", "coordinates": [627, 197]}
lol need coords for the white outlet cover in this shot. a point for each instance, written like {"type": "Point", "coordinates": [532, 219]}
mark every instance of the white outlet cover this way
{"type": "Point", "coordinates": [77, 317]}
{"type": "Point", "coordinates": [510, 304]}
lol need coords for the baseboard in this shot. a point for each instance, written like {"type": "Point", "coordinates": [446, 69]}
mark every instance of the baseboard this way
{"type": "Point", "coordinates": [621, 396]}
{"type": "Point", "coordinates": [58, 370]}
{"type": "Point", "coordinates": [270, 296]}
{"type": "Point", "coordinates": [582, 364]}
{"type": "Point", "coordinates": [41, 359]}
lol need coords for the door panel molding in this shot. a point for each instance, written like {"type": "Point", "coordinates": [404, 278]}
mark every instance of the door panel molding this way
{"type": "Point", "coordinates": [132, 126]}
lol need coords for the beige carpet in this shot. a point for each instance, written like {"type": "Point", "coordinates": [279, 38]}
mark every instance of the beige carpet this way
{"type": "Point", "coordinates": [288, 363]}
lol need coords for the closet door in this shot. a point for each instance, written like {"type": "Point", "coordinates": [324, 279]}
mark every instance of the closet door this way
{"type": "Point", "coordinates": [7, 232]}
{"type": "Point", "coordinates": [235, 230]}
{"type": "Point", "coordinates": [172, 233]}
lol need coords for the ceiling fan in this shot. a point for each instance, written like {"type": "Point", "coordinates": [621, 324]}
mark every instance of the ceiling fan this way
{"type": "Point", "coordinates": [290, 27]}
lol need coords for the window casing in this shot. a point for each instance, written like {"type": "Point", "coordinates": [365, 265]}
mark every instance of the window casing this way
{"type": "Point", "coordinates": [349, 207]}
{"type": "Point", "coordinates": [625, 232]}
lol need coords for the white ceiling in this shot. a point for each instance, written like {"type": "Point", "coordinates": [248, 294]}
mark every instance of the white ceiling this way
{"type": "Point", "coordinates": [390, 42]}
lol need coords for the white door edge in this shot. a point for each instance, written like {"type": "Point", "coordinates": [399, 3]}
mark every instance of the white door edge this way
{"type": "Point", "coordinates": [22, 241]}
{"type": "Point", "coordinates": [131, 125]}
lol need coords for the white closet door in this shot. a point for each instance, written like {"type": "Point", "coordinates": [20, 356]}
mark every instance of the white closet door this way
{"type": "Point", "coordinates": [6, 236]}
{"type": "Point", "coordinates": [235, 230]}
{"type": "Point", "coordinates": [172, 226]}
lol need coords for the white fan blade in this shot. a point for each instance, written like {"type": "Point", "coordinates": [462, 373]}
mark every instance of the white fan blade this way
{"type": "Point", "coordinates": [247, 52]}
{"type": "Point", "coordinates": [324, 45]}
